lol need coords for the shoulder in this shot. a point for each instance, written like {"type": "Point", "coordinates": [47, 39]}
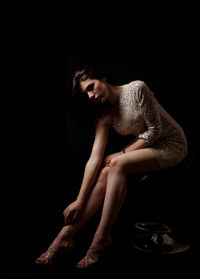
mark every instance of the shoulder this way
{"type": "Point", "coordinates": [141, 87]}
{"type": "Point", "coordinates": [140, 90]}
{"type": "Point", "coordinates": [138, 84]}
{"type": "Point", "coordinates": [136, 87]}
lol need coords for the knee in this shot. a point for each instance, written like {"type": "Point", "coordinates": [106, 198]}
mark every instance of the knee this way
{"type": "Point", "coordinates": [104, 172]}
{"type": "Point", "coordinates": [116, 165]}
{"type": "Point", "coordinates": [102, 179]}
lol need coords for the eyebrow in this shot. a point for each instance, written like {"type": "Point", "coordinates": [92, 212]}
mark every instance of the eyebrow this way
{"type": "Point", "coordinates": [85, 88]}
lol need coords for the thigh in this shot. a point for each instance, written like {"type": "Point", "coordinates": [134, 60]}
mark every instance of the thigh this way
{"type": "Point", "coordinates": [138, 161]}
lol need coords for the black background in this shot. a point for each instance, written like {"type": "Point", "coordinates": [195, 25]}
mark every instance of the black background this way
{"type": "Point", "coordinates": [55, 149]}
{"type": "Point", "coordinates": [51, 136]}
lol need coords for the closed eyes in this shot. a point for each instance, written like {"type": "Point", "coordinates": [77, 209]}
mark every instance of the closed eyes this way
{"type": "Point", "coordinates": [90, 87]}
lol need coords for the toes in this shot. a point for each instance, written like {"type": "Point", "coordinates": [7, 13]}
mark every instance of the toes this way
{"type": "Point", "coordinates": [81, 264]}
{"type": "Point", "coordinates": [85, 262]}
{"type": "Point", "coordinates": [41, 258]}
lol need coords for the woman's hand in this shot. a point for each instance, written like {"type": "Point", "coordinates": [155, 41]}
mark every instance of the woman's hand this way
{"type": "Point", "coordinates": [72, 212]}
{"type": "Point", "coordinates": [109, 158]}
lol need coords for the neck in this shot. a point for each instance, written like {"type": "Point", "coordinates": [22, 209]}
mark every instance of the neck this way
{"type": "Point", "coordinates": [114, 94]}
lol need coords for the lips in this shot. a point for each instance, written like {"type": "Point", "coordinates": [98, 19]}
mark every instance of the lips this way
{"type": "Point", "coordinates": [97, 99]}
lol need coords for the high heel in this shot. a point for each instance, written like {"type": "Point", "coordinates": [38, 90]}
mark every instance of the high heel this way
{"type": "Point", "coordinates": [53, 254]}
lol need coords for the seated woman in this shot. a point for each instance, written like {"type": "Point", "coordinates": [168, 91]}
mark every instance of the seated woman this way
{"type": "Point", "coordinates": [159, 143]}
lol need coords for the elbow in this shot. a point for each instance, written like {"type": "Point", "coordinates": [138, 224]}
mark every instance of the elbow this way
{"type": "Point", "coordinates": [151, 136]}
{"type": "Point", "coordinates": [154, 136]}
{"type": "Point", "coordinates": [158, 133]}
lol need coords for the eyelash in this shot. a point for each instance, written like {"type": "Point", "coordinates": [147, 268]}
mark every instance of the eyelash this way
{"type": "Point", "coordinates": [90, 87]}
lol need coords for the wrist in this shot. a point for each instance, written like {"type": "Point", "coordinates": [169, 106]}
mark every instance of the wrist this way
{"type": "Point", "coordinates": [80, 199]}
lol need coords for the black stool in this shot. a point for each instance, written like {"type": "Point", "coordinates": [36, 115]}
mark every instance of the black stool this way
{"type": "Point", "coordinates": [154, 236]}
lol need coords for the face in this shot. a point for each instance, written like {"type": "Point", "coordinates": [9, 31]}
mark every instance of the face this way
{"type": "Point", "coordinates": [95, 89]}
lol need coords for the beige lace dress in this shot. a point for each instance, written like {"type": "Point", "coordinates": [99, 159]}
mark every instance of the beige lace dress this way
{"type": "Point", "coordinates": [141, 114]}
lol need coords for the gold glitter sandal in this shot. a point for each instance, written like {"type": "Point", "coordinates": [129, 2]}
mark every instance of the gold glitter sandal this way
{"type": "Point", "coordinates": [52, 255]}
{"type": "Point", "coordinates": [95, 255]}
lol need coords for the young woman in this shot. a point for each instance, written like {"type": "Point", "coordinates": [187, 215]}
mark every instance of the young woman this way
{"type": "Point", "coordinates": [159, 142]}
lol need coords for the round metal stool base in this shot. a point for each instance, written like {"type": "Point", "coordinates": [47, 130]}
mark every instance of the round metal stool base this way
{"type": "Point", "coordinates": [158, 243]}
{"type": "Point", "coordinates": [153, 227]}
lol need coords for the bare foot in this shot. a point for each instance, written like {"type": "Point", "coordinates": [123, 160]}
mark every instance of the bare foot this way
{"type": "Point", "coordinates": [95, 254]}
{"type": "Point", "coordinates": [53, 252]}
{"type": "Point", "coordinates": [63, 244]}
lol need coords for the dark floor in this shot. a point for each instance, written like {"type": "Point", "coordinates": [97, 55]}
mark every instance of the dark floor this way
{"type": "Point", "coordinates": [33, 219]}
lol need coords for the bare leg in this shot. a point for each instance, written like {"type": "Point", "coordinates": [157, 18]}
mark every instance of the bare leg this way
{"type": "Point", "coordinates": [115, 194]}
{"type": "Point", "coordinates": [139, 161]}
{"type": "Point", "coordinates": [65, 236]}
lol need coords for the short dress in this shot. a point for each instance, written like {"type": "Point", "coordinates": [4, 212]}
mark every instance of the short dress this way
{"type": "Point", "coordinates": [139, 113]}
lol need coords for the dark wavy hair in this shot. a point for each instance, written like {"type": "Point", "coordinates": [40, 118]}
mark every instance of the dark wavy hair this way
{"type": "Point", "coordinates": [87, 71]}
{"type": "Point", "coordinates": [81, 108]}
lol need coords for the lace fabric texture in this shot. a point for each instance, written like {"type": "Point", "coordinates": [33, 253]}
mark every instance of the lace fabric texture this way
{"type": "Point", "coordinates": [141, 114]}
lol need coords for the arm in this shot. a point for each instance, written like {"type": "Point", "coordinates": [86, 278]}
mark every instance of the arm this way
{"type": "Point", "coordinates": [151, 117]}
{"type": "Point", "coordinates": [72, 212]}
{"type": "Point", "coordinates": [150, 114]}
{"type": "Point", "coordinates": [95, 159]}
{"type": "Point", "coordinates": [138, 144]}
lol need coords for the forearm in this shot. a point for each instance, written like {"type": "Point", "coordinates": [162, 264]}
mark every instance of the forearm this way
{"type": "Point", "coordinates": [138, 144]}
{"type": "Point", "coordinates": [89, 177]}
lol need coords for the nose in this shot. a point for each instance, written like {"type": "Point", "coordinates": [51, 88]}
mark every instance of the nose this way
{"type": "Point", "coordinates": [90, 95]}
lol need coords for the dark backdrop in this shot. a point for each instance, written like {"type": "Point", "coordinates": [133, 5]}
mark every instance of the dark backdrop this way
{"type": "Point", "coordinates": [55, 149]}
{"type": "Point", "coordinates": [60, 148]}
{"type": "Point", "coordinates": [53, 143]}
